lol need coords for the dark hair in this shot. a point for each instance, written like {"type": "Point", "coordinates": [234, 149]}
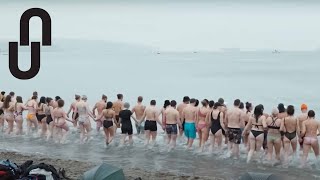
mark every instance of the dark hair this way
{"type": "Point", "coordinates": [140, 99]}
{"type": "Point", "coordinates": [104, 96]}
{"type": "Point", "coordinates": [173, 103]}
{"type": "Point", "coordinates": [281, 108]}
{"type": "Point", "coordinates": [153, 102]}
{"type": "Point", "coordinates": [57, 98]}
{"type": "Point", "coordinates": [290, 110]}
{"type": "Point", "coordinates": [241, 105]}
{"type": "Point", "coordinates": [248, 106]}
{"type": "Point", "coordinates": [11, 94]}
{"type": "Point", "coordinates": [216, 105]}
{"type": "Point", "coordinates": [34, 97]}
{"type": "Point", "coordinates": [186, 99]}
{"type": "Point", "coordinates": [197, 102]}
{"type": "Point", "coordinates": [204, 102]}
{"type": "Point", "coordinates": [19, 99]}
{"type": "Point", "coordinates": [35, 93]}
{"type": "Point", "coordinates": [3, 93]}
{"type": "Point", "coordinates": [60, 103]}
{"type": "Point", "coordinates": [42, 100]}
{"type": "Point", "coordinates": [77, 97]}
{"type": "Point", "coordinates": [109, 105]}
{"type": "Point", "coordinates": [211, 104]}
{"type": "Point", "coordinates": [258, 111]}
{"type": "Point", "coordinates": [237, 102]}
{"type": "Point", "coordinates": [48, 99]}
{"type": "Point", "coordinates": [166, 103]}
{"type": "Point", "coordinates": [6, 102]}
{"type": "Point", "coordinates": [221, 100]}
{"type": "Point", "coordinates": [120, 96]}
{"type": "Point", "coordinates": [192, 100]}
{"type": "Point", "coordinates": [311, 114]}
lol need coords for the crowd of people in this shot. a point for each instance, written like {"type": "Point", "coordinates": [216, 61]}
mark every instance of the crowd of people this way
{"type": "Point", "coordinates": [276, 134]}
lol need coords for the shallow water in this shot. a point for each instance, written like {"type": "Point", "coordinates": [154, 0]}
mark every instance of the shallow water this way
{"type": "Point", "coordinates": [156, 158]}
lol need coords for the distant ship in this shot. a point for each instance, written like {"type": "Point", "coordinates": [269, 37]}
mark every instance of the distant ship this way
{"type": "Point", "coordinates": [275, 51]}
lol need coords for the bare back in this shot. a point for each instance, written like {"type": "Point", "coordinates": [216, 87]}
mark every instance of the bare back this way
{"type": "Point", "coordinates": [233, 118]}
{"type": "Point", "coordinates": [189, 113]}
{"type": "Point", "coordinates": [172, 115]}
{"type": "Point", "coordinates": [311, 127]}
{"type": "Point", "coordinates": [151, 113]}
{"type": "Point", "coordinates": [117, 106]}
{"type": "Point", "coordinates": [139, 110]}
{"type": "Point", "coordinates": [290, 124]}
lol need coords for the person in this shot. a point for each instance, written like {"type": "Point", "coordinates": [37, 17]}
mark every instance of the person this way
{"type": "Point", "coordinates": [40, 112]}
{"type": "Point", "coordinates": [82, 108]}
{"type": "Point", "coordinates": [99, 106]}
{"type": "Point", "coordinates": [126, 125]}
{"type": "Point", "coordinates": [234, 123]}
{"type": "Point", "coordinates": [48, 109]}
{"type": "Point", "coordinates": [72, 108]}
{"type": "Point", "coordinates": [309, 135]}
{"type": "Point", "coordinates": [32, 120]}
{"type": "Point", "coordinates": [138, 110]}
{"type": "Point", "coordinates": [246, 120]}
{"type": "Point", "coordinates": [57, 98]}
{"type": "Point", "coordinates": [255, 125]}
{"type": "Point", "coordinates": [60, 121]}
{"type": "Point", "coordinates": [165, 105]}
{"type": "Point", "coordinates": [13, 97]}
{"type": "Point", "coordinates": [282, 111]}
{"type": "Point", "coordinates": [202, 126]}
{"type": "Point", "coordinates": [151, 117]}
{"type": "Point", "coordinates": [180, 107]}
{"type": "Point", "coordinates": [18, 110]}
{"type": "Point", "coordinates": [273, 124]}
{"type": "Point", "coordinates": [172, 118]}
{"type": "Point", "coordinates": [2, 112]}
{"type": "Point", "coordinates": [290, 129]}
{"type": "Point", "coordinates": [2, 96]}
{"type": "Point", "coordinates": [301, 118]}
{"type": "Point", "coordinates": [117, 107]}
{"type": "Point", "coordinates": [216, 126]}
{"type": "Point", "coordinates": [224, 110]}
{"type": "Point", "coordinates": [189, 115]}
{"type": "Point", "coordinates": [8, 108]}
{"type": "Point", "coordinates": [108, 118]}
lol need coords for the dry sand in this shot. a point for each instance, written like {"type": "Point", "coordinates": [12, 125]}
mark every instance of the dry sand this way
{"type": "Point", "coordinates": [74, 169]}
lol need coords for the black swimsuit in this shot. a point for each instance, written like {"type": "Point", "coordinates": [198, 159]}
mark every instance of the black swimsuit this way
{"type": "Point", "coordinates": [215, 126]}
{"type": "Point", "coordinates": [107, 123]}
{"type": "Point", "coordinates": [256, 133]}
{"type": "Point", "coordinates": [290, 135]}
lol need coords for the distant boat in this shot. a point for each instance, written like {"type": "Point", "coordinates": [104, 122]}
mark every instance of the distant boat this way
{"type": "Point", "coordinates": [158, 52]}
{"type": "Point", "coordinates": [275, 51]}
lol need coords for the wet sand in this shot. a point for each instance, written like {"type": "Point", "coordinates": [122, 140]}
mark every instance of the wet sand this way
{"type": "Point", "coordinates": [74, 169]}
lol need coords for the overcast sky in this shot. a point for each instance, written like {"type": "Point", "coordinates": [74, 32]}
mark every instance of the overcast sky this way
{"type": "Point", "coordinates": [177, 26]}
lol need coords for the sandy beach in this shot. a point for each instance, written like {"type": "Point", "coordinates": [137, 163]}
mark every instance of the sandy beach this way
{"type": "Point", "coordinates": [74, 169]}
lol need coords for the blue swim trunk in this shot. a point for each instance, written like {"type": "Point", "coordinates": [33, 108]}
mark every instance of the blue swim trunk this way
{"type": "Point", "coordinates": [190, 130]}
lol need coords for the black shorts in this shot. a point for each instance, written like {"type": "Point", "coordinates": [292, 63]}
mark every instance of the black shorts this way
{"type": "Point", "coordinates": [49, 119]}
{"type": "Point", "coordinates": [107, 124]}
{"type": "Point", "coordinates": [76, 117]}
{"type": "Point", "coordinates": [235, 135]}
{"type": "Point", "coordinates": [1, 111]}
{"type": "Point", "coordinates": [126, 129]}
{"type": "Point", "coordinates": [171, 129]}
{"type": "Point", "coordinates": [150, 126]}
{"type": "Point", "coordinates": [40, 117]}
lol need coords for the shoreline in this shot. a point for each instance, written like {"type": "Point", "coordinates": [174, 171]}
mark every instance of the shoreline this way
{"type": "Point", "coordinates": [75, 169]}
